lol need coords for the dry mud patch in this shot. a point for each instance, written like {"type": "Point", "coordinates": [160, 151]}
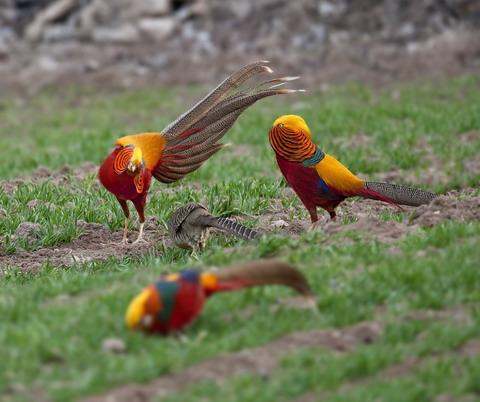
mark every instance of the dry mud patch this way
{"type": "Point", "coordinates": [57, 177]}
{"type": "Point", "coordinates": [263, 360]}
{"type": "Point", "coordinates": [97, 243]}
{"type": "Point", "coordinates": [460, 206]}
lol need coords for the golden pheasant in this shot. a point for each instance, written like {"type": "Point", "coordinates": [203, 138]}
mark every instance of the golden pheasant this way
{"type": "Point", "coordinates": [320, 180]}
{"type": "Point", "coordinates": [189, 226]}
{"type": "Point", "coordinates": [175, 300]}
{"type": "Point", "coordinates": [185, 144]}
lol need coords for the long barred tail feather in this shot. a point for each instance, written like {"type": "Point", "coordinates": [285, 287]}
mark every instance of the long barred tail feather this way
{"type": "Point", "coordinates": [192, 219]}
{"type": "Point", "coordinates": [193, 137]}
{"type": "Point", "coordinates": [213, 97]}
{"type": "Point", "coordinates": [397, 194]}
{"type": "Point", "coordinates": [232, 227]}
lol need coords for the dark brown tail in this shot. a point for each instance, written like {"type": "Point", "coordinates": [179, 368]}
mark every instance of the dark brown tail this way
{"type": "Point", "coordinates": [397, 194]}
{"type": "Point", "coordinates": [266, 272]}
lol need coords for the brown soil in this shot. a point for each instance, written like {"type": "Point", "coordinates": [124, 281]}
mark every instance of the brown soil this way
{"type": "Point", "coordinates": [261, 360]}
{"type": "Point", "coordinates": [472, 165]}
{"type": "Point", "coordinates": [264, 359]}
{"type": "Point", "coordinates": [448, 207]}
{"type": "Point", "coordinates": [58, 177]}
{"type": "Point", "coordinates": [457, 206]}
{"type": "Point", "coordinates": [469, 138]}
{"type": "Point", "coordinates": [97, 243]}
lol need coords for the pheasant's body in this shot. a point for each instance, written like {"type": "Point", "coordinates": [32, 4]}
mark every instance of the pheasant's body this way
{"type": "Point", "coordinates": [181, 298]}
{"type": "Point", "coordinates": [122, 185]}
{"type": "Point", "coordinates": [312, 191]}
{"type": "Point", "coordinates": [175, 300]}
{"type": "Point", "coordinates": [320, 180]}
{"type": "Point", "coordinates": [189, 225]}
{"type": "Point", "coordinates": [185, 144]}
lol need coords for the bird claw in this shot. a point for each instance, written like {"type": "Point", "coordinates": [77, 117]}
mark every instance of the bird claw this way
{"type": "Point", "coordinates": [140, 240]}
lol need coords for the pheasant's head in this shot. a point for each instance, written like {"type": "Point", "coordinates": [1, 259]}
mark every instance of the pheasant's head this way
{"type": "Point", "coordinates": [136, 162]}
{"type": "Point", "coordinates": [129, 159]}
{"type": "Point", "coordinates": [293, 123]}
{"type": "Point", "coordinates": [138, 313]}
{"type": "Point", "coordinates": [145, 309]}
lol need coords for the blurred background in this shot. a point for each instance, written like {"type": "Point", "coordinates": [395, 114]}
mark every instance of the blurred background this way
{"type": "Point", "coordinates": [124, 43]}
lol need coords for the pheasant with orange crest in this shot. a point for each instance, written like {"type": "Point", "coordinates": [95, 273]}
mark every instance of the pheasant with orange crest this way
{"type": "Point", "coordinates": [322, 181]}
{"type": "Point", "coordinates": [185, 144]}
{"type": "Point", "coordinates": [176, 300]}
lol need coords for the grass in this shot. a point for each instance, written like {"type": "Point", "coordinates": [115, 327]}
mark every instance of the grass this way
{"type": "Point", "coordinates": [51, 345]}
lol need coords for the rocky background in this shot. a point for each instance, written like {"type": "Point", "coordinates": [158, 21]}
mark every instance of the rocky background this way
{"type": "Point", "coordinates": [121, 43]}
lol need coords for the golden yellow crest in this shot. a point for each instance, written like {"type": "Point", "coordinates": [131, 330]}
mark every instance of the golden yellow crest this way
{"type": "Point", "coordinates": [150, 146]}
{"type": "Point", "coordinates": [136, 309]}
{"type": "Point", "coordinates": [294, 121]}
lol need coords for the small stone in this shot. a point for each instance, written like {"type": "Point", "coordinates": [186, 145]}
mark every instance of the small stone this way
{"type": "Point", "coordinates": [52, 13]}
{"type": "Point", "coordinates": [121, 35]}
{"type": "Point", "coordinates": [157, 28]}
{"type": "Point", "coordinates": [153, 7]}
{"type": "Point", "coordinates": [280, 223]}
{"type": "Point", "coordinates": [114, 345]}
{"type": "Point", "coordinates": [91, 65]}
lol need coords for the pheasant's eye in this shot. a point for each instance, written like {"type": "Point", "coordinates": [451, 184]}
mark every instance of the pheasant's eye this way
{"type": "Point", "coordinates": [281, 125]}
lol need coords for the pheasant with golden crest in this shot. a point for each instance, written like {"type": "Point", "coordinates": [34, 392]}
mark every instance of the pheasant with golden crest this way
{"type": "Point", "coordinates": [320, 180]}
{"type": "Point", "coordinates": [185, 144]}
{"type": "Point", "coordinates": [175, 300]}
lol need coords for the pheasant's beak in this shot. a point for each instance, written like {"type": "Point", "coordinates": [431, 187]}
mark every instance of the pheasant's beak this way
{"type": "Point", "coordinates": [136, 161]}
{"type": "Point", "coordinates": [132, 167]}
{"type": "Point", "coordinates": [135, 315]}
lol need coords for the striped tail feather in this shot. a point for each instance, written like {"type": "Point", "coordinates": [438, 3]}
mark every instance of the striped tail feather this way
{"type": "Point", "coordinates": [396, 194]}
{"type": "Point", "coordinates": [194, 136]}
{"type": "Point", "coordinates": [229, 226]}
{"type": "Point", "coordinates": [213, 97]}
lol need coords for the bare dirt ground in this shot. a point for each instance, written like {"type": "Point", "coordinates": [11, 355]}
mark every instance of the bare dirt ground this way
{"type": "Point", "coordinates": [58, 177]}
{"type": "Point", "coordinates": [263, 360]}
{"type": "Point", "coordinates": [98, 243]}
{"type": "Point", "coordinates": [456, 205]}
